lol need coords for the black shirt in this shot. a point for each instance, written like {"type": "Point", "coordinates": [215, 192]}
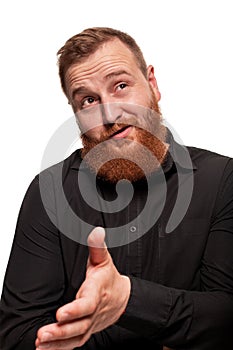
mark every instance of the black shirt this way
{"type": "Point", "coordinates": [173, 238]}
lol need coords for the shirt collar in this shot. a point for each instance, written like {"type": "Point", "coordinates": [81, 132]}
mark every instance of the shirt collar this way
{"type": "Point", "coordinates": [177, 154]}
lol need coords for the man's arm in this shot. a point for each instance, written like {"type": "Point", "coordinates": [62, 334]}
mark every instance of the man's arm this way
{"type": "Point", "coordinates": [99, 302]}
{"type": "Point", "coordinates": [34, 283]}
{"type": "Point", "coordinates": [32, 292]}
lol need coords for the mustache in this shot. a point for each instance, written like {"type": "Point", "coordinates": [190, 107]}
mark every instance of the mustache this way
{"type": "Point", "coordinates": [110, 129]}
{"type": "Point", "coordinates": [113, 128]}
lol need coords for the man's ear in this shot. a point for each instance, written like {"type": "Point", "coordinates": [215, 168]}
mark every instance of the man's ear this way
{"type": "Point", "coordinates": [153, 82]}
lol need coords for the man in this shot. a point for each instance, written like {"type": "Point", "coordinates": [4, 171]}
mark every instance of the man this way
{"type": "Point", "coordinates": [97, 263]}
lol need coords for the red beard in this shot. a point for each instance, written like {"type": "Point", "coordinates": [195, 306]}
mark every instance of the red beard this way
{"type": "Point", "coordinates": [118, 159]}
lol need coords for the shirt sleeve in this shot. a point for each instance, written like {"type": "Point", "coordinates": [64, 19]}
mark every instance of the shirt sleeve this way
{"type": "Point", "coordinates": [35, 283]}
{"type": "Point", "coordinates": [32, 292]}
{"type": "Point", "coordinates": [183, 319]}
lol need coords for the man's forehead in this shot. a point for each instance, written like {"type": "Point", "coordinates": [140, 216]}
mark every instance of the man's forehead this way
{"type": "Point", "coordinates": [104, 71]}
{"type": "Point", "coordinates": [109, 52]}
{"type": "Point", "coordinates": [104, 68]}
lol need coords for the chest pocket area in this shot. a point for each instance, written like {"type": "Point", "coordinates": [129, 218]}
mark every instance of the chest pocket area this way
{"type": "Point", "coordinates": [180, 254]}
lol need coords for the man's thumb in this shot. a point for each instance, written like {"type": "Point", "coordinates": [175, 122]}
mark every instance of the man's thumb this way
{"type": "Point", "coordinates": [97, 247]}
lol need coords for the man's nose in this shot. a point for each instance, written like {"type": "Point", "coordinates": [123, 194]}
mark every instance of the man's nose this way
{"type": "Point", "coordinates": [111, 112]}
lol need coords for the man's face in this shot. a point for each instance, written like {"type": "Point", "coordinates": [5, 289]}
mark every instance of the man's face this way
{"type": "Point", "coordinates": [113, 102]}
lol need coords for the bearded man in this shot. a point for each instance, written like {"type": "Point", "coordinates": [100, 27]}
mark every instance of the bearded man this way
{"type": "Point", "coordinates": [129, 241]}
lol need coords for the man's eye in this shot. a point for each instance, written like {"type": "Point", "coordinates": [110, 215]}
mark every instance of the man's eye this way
{"type": "Point", "coordinates": [88, 101]}
{"type": "Point", "coordinates": [121, 86]}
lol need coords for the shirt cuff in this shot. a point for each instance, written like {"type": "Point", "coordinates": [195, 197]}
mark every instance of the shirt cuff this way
{"type": "Point", "coordinates": [148, 308]}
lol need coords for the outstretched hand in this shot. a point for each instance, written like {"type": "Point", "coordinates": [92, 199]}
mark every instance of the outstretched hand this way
{"type": "Point", "coordinates": [99, 302]}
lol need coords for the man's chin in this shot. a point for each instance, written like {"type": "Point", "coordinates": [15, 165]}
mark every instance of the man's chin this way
{"type": "Point", "coordinates": [127, 158]}
{"type": "Point", "coordinates": [122, 145]}
{"type": "Point", "coordinates": [120, 169]}
{"type": "Point", "coordinates": [121, 160]}
{"type": "Point", "coordinates": [111, 148]}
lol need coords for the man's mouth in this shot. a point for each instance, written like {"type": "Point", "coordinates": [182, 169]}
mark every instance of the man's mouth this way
{"type": "Point", "coordinates": [122, 133]}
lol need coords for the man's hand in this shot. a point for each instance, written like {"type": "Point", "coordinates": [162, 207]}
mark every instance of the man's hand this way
{"type": "Point", "coordinates": [99, 302]}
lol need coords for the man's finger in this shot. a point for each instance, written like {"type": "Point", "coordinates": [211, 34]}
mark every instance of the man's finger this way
{"type": "Point", "coordinates": [97, 247]}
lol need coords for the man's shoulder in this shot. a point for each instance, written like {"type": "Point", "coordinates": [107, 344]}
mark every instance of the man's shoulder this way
{"type": "Point", "coordinates": [74, 160]}
{"type": "Point", "coordinates": [207, 159]}
{"type": "Point", "coordinates": [198, 153]}
{"type": "Point", "coordinates": [196, 157]}
{"type": "Point", "coordinates": [70, 162]}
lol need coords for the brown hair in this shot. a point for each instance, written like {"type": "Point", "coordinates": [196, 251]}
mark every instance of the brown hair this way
{"type": "Point", "coordinates": [87, 42]}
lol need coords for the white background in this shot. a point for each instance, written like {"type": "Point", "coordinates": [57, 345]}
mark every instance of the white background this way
{"type": "Point", "coordinates": [188, 42]}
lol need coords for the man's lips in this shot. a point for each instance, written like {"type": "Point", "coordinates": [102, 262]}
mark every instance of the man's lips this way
{"type": "Point", "coordinates": [122, 133]}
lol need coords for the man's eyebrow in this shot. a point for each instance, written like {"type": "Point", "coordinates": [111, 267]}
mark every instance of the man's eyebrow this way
{"type": "Point", "coordinates": [79, 90]}
{"type": "Point", "coordinates": [115, 74]}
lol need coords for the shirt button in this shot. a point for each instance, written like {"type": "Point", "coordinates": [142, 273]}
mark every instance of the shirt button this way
{"type": "Point", "coordinates": [133, 229]}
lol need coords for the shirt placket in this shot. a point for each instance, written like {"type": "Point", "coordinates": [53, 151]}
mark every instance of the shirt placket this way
{"type": "Point", "coordinates": [134, 248]}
